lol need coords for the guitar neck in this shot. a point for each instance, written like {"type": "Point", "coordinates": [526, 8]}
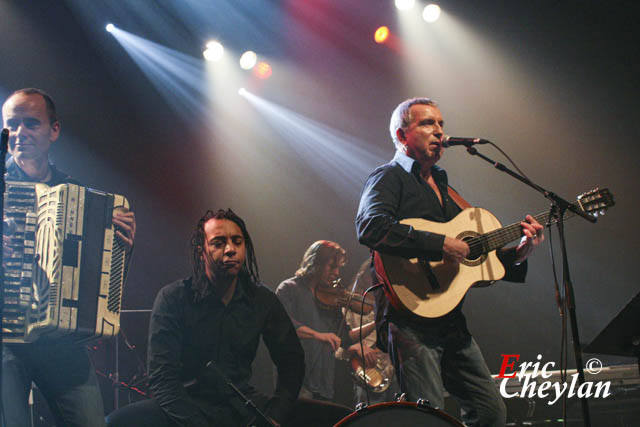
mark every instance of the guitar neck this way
{"type": "Point", "coordinates": [498, 238]}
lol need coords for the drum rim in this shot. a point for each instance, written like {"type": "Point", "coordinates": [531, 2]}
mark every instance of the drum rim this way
{"type": "Point", "coordinates": [392, 404]}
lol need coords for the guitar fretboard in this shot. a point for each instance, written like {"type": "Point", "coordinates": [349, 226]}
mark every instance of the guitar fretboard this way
{"type": "Point", "coordinates": [498, 238]}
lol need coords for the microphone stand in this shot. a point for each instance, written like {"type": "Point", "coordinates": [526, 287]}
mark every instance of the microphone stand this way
{"type": "Point", "coordinates": [247, 402]}
{"type": "Point", "coordinates": [4, 147]}
{"type": "Point", "coordinates": [560, 206]}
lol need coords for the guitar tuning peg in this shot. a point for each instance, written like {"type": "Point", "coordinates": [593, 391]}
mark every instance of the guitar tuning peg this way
{"type": "Point", "coordinates": [595, 214]}
{"type": "Point", "coordinates": [602, 212]}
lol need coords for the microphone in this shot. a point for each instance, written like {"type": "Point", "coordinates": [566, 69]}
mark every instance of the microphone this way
{"type": "Point", "coordinates": [4, 140]}
{"type": "Point", "coordinates": [450, 141]}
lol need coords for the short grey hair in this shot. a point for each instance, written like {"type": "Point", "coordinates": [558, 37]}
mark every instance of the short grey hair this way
{"type": "Point", "coordinates": [401, 117]}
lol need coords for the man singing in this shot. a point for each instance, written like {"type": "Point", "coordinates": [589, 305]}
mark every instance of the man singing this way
{"type": "Point", "coordinates": [430, 355]}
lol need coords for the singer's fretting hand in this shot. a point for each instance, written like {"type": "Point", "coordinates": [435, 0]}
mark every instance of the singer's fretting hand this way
{"type": "Point", "coordinates": [533, 236]}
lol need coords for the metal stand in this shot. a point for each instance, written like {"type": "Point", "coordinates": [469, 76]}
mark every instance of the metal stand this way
{"type": "Point", "coordinates": [4, 146]}
{"type": "Point", "coordinates": [264, 421]}
{"type": "Point", "coordinates": [562, 206]}
{"type": "Point", "coordinates": [116, 374]}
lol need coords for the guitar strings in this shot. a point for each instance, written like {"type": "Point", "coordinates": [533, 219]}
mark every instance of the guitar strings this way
{"type": "Point", "coordinates": [498, 238]}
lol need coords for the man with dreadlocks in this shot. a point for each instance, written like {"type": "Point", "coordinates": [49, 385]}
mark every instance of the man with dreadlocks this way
{"type": "Point", "coordinates": [209, 324]}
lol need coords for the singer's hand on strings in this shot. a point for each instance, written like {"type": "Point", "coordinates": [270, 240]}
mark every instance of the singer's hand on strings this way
{"type": "Point", "coordinates": [454, 250]}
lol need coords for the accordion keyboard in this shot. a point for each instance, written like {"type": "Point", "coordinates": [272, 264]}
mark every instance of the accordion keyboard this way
{"type": "Point", "coordinates": [65, 268]}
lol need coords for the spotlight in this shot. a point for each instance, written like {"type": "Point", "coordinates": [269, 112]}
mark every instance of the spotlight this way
{"type": "Point", "coordinates": [262, 70]}
{"type": "Point", "coordinates": [381, 35]}
{"type": "Point", "coordinates": [110, 28]}
{"type": "Point", "coordinates": [213, 52]}
{"type": "Point", "coordinates": [405, 4]}
{"type": "Point", "coordinates": [248, 60]}
{"type": "Point", "coordinates": [431, 13]}
{"type": "Point", "coordinates": [242, 91]}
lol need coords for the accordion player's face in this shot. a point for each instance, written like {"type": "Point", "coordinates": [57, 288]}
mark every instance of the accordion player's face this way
{"type": "Point", "coordinates": [31, 129]}
{"type": "Point", "coordinates": [224, 250]}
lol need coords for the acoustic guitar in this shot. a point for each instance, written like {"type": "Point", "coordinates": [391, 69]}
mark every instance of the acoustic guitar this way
{"type": "Point", "coordinates": [430, 289]}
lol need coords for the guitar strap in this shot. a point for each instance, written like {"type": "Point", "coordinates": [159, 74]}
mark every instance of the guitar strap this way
{"type": "Point", "coordinates": [457, 199]}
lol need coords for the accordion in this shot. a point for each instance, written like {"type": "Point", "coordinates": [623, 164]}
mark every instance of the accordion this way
{"type": "Point", "coordinates": [65, 269]}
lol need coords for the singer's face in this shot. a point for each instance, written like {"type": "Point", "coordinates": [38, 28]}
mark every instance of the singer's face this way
{"type": "Point", "coordinates": [224, 248]}
{"type": "Point", "coordinates": [30, 131]}
{"type": "Point", "coordinates": [423, 137]}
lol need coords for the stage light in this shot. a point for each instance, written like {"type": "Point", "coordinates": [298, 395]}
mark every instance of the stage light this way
{"type": "Point", "coordinates": [109, 27]}
{"type": "Point", "coordinates": [431, 13]}
{"type": "Point", "coordinates": [338, 159]}
{"type": "Point", "coordinates": [248, 60]}
{"type": "Point", "coordinates": [242, 91]}
{"type": "Point", "coordinates": [381, 35]}
{"type": "Point", "coordinates": [405, 4]}
{"type": "Point", "coordinates": [262, 70]}
{"type": "Point", "coordinates": [213, 52]}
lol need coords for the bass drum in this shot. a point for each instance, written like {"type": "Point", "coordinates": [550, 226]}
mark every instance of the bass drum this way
{"type": "Point", "coordinates": [398, 414]}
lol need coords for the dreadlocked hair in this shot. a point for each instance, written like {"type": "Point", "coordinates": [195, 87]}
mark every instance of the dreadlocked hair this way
{"type": "Point", "coordinates": [200, 280]}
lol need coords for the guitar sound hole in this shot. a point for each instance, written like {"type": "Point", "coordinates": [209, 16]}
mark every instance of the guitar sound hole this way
{"type": "Point", "coordinates": [475, 252]}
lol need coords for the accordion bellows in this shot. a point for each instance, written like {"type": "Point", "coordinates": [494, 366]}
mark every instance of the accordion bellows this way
{"type": "Point", "coordinates": [64, 276]}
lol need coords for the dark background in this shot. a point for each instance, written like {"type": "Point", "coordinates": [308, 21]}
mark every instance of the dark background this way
{"type": "Point", "coordinates": [554, 83]}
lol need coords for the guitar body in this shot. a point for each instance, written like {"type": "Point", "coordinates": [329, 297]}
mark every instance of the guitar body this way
{"type": "Point", "coordinates": [433, 289]}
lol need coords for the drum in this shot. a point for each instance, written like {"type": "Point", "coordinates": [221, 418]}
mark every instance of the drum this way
{"type": "Point", "coordinates": [398, 414]}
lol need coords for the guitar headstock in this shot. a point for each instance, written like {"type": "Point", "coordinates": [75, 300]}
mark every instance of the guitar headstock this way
{"type": "Point", "coordinates": [596, 201]}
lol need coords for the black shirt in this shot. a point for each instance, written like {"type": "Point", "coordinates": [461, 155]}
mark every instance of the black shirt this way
{"type": "Point", "coordinates": [396, 191]}
{"type": "Point", "coordinates": [184, 336]}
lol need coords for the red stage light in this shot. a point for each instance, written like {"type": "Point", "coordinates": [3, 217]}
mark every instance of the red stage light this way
{"type": "Point", "coordinates": [262, 70]}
